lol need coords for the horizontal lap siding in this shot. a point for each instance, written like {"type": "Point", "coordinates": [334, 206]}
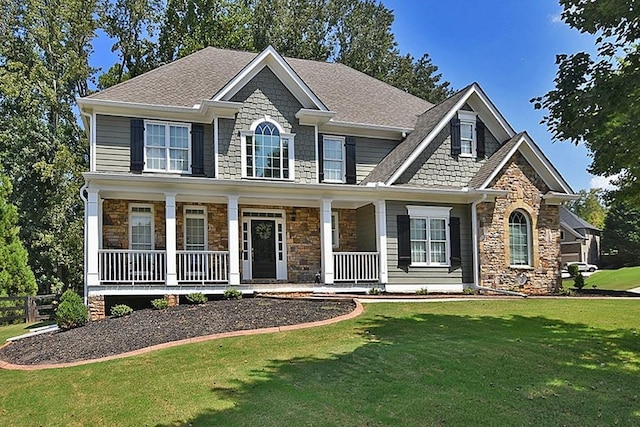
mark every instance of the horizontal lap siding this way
{"type": "Point", "coordinates": [428, 275]}
{"type": "Point", "coordinates": [366, 228]}
{"type": "Point", "coordinates": [112, 143]}
{"type": "Point", "coordinates": [369, 152]}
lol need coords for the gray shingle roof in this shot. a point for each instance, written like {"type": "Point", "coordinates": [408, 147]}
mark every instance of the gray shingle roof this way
{"type": "Point", "coordinates": [492, 162]}
{"type": "Point", "coordinates": [574, 221]}
{"type": "Point", "coordinates": [354, 96]}
{"type": "Point", "coordinates": [425, 124]}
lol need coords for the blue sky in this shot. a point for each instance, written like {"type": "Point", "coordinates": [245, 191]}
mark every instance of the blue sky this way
{"type": "Point", "coordinates": [507, 46]}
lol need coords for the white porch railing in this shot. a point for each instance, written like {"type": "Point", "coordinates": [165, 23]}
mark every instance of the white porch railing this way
{"type": "Point", "coordinates": [131, 266]}
{"type": "Point", "coordinates": [356, 266]}
{"type": "Point", "coordinates": [203, 266]}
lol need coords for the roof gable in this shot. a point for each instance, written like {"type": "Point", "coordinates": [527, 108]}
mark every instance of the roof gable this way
{"type": "Point", "coordinates": [574, 221]}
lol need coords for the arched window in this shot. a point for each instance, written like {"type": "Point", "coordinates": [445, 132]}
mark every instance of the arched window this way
{"type": "Point", "coordinates": [519, 238]}
{"type": "Point", "coordinates": [267, 152]}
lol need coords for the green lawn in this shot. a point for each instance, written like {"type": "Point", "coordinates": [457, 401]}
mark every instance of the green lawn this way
{"type": "Point", "coordinates": [510, 362]}
{"type": "Point", "coordinates": [615, 280]}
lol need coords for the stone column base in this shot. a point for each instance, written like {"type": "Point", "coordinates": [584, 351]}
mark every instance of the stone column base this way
{"type": "Point", "coordinates": [172, 300]}
{"type": "Point", "coordinates": [96, 307]}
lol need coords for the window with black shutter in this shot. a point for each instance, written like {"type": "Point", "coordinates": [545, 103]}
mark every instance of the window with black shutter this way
{"type": "Point", "coordinates": [480, 150]}
{"type": "Point", "coordinates": [351, 159]}
{"type": "Point", "coordinates": [404, 240]}
{"type": "Point", "coordinates": [454, 235]}
{"type": "Point", "coordinates": [455, 137]}
{"type": "Point", "coordinates": [197, 149]}
{"type": "Point", "coordinates": [136, 155]}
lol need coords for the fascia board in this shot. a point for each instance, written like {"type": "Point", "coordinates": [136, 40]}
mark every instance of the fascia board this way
{"type": "Point", "coordinates": [310, 117]}
{"type": "Point", "coordinates": [490, 107]}
{"type": "Point", "coordinates": [427, 140]}
{"type": "Point", "coordinates": [286, 74]}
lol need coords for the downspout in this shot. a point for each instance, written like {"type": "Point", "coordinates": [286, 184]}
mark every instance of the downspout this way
{"type": "Point", "coordinates": [84, 243]}
{"type": "Point", "coordinates": [476, 254]}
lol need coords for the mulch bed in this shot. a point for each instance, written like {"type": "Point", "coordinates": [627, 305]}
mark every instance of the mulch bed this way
{"type": "Point", "coordinates": [145, 328]}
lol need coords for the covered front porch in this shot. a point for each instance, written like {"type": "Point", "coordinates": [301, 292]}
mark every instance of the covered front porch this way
{"type": "Point", "coordinates": [176, 243]}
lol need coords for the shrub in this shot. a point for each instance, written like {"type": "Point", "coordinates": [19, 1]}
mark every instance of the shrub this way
{"type": "Point", "coordinates": [578, 281]}
{"type": "Point", "coordinates": [375, 291]}
{"type": "Point", "coordinates": [120, 310]}
{"type": "Point", "coordinates": [470, 291]}
{"type": "Point", "coordinates": [232, 293]}
{"type": "Point", "coordinates": [197, 298]}
{"type": "Point", "coordinates": [71, 312]}
{"type": "Point", "coordinates": [573, 270]}
{"type": "Point", "coordinates": [422, 291]}
{"type": "Point", "coordinates": [159, 303]}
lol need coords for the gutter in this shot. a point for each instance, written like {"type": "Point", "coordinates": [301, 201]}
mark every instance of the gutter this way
{"type": "Point", "coordinates": [84, 250]}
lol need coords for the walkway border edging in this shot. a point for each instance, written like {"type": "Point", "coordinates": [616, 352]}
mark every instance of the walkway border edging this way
{"type": "Point", "coordinates": [355, 313]}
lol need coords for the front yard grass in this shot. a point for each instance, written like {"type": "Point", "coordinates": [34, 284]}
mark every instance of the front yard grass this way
{"type": "Point", "coordinates": [509, 362]}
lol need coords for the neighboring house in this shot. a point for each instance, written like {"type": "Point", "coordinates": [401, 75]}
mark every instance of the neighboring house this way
{"type": "Point", "coordinates": [579, 240]}
{"type": "Point", "coordinates": [265, 173]}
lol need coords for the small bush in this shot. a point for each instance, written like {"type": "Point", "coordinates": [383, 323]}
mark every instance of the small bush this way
{"type": "Point", "coordinates": [573, 270]}
{"type": "Point", "coordinates": [159, 303]}
{"type": "Point", "coordinates": [120, 310]}
{"type": "Point", "coordinates": [565, 292]}
{"type": "Point", "coordinates": [232, 293]}
{"type": "Point", "coordinates": [470, 291]}
{"type": "Point", "coordinates": [71, 312]}
{"type": "Point", "coordinates": [197, 298]}
{"type": "Point", "coordinates": [375, 291]}
{"type": "Point", "coordinates": [422, 291]}
{"type": "Point", "coordinates": [578, 281]}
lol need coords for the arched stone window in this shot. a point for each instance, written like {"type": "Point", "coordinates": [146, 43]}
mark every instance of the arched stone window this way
{"type": "Point", "coordinates": [519, 238]}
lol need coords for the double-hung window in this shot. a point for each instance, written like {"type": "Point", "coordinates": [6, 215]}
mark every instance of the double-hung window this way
{"type": "Point", "coordinates": [141, 227]}
{"type": "Point", "coordinates": [167, 147]}
{"type": "Point", "coordinates": [195, 228]}
{"type": "Point", "coordinates": [333, 159]}
{"type": "Point", "coordinates": [519, 239]}
{"type": "Point", "coordinates": [467, 133]}
{"type": "Point", "coordinates": [267, 152]}
{"type": "Point", "coordinates": [429, 233]}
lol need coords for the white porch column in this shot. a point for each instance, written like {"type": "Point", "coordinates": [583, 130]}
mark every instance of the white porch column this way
{"type": "Point", "coordinates": [326, 242]}
{"type": "Point", "coordinates": [170, 238]}
{"type": "Point", "coordinates": [381, 240]}
{"type": "Point", "coordinates": [234, 240]}
{"type": "Point", "coordinates": [93, 237]}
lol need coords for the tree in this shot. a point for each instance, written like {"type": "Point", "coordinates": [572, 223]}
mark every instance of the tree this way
{"type": "Point", "coordinates": [595, 99]}
{"type": "Point", "coordinates": [590, 207]}
{"type": "Point", "coordinates": [127, 21]}
{"type": "Point", "coordinates": [621, 234]}
{"type": "Point", "coordinates": [16, 278]}
{"type": "Point", "coordinates": [44, 51]}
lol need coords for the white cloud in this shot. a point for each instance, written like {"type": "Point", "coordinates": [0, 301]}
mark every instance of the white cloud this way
{"type": "Point", "coordinates": [556, 18]}
{"type": "Point", "coordinates": [603, 182]}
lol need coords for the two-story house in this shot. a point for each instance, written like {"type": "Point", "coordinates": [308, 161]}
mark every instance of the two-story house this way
{"type": "Point", "coordinates": [263, 173]}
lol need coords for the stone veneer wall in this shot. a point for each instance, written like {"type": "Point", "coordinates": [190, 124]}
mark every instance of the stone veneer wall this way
{"type": "Point", "coordinates": [115, 223]}
{"type": "Point", "coordinates": [525, 189]}
{"type": "Point", "coordinates": [217, 227]}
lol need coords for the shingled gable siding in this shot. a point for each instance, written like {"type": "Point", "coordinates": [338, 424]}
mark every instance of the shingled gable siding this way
{"type": "Point", "coordinates": [428, 275]}
{"type": "Point", "coordinates": [266, 95]}
{"type": "Point", "coordinates": [436, 167]}
{"type": "Point", "coordinates": [113, 141]}
{"type": "Point", "coordinates": [525, 189]}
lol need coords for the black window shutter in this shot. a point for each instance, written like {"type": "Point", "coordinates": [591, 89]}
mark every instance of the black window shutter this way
{"type": "Point", "coordinates": [320, 157]}
{"type": "Point", "coordinates": [136, 155]}
{"type": "Point", "coordinates": [456, 147]}
{"type": "Point", "coordinates": [404, 240]}
{"type": "Point", "coordinates": [454, 235]}
{"type": "Point", "coordinates": [351, 159]}
{"type": "Point", "coordinates": [480, 150]}
{"type": "Point", "coordinates": [197, 149]}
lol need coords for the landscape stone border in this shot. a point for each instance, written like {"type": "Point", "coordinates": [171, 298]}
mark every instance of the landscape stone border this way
{"type": "Point", "coordinates": [355, 313]}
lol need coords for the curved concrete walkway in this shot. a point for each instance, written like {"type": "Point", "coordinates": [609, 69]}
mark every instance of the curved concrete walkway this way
{"type": "Point", "coordinates": [355, 313]}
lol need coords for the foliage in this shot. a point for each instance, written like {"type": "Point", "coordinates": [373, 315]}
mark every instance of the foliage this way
{"type": "Point", "coordinates": [415, 356]}
{"type": "Point", "coordinates": [71, 313]}
{"type": "Point", "coordinates": [44, 51]}
{"type": "Point", "coordinates": [595, 97]}
{"type": "Point", "coordinates": [573, 270]}
{"type": "Point", "coordinates": [375, 291]}
{"type": "Point", "coordinates": [578, 281]}
{"type": "Point", "coordinates": [120, 310]}
{"type": "Point", "coordinates": [422, 291]}
{"type": "Point", "coordinates": [159, 303]}
{"type": "Point", "coordinates": [197, 298]}
{"type": "Point", "coordinates": [232, 293]}
{"type": "Point", "coordinates": [590, 207]}
{"type": "Point", "coordinates": [16, 277]}
{"type": "Point", "coordinates": [621, 234]}
{"type": "Point", "coordinates": [470, 291]}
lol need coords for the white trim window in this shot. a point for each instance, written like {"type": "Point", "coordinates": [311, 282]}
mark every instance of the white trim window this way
{"type": "Point", "coordinates": [195, 228]}
{"type": "Point", "coordinates": [467, 133]}
{"type": "Point", "coordinates": [335, 229]}
{"type": "Point", "coordinates": [167, 146]}
{"type": "Point", "coordinates": [430, 239]}
{"type": "Point", "coordinates": [333, 158]}
{"type": "Point", "coordinates": [141, 227]}
{"type": "Point", "coordinates": [519, 239]}
{"type": "Point", "coordinates": [267, 152]}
